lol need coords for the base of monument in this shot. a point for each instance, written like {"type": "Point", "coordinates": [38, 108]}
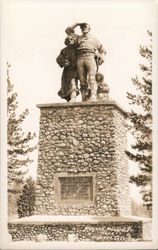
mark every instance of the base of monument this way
{"type": "Point", "coordinates": [80, 228]}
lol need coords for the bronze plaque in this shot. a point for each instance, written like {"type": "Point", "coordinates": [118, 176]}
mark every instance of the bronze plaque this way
{"type": "Point", "coordinates": [76, 188]}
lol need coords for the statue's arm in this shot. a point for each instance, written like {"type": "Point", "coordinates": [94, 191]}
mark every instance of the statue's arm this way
{"type": "Point", "coordinates": [61, 58]}
{"type": "Point", "coordinates": [101, 49]}
{"type": "Point", "coordinates": [100, 53]}
{"type": "Point", "coordinates": [71, 29]}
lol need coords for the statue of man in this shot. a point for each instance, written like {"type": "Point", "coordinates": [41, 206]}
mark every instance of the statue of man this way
{"type": "Point", "coordinates": [89, 57]}
{"type": "Point", "coordinates": [69, 80]}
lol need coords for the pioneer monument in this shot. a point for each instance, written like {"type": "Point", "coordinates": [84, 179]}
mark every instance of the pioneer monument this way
{"type": "Point", "coordinates": [82, 189]}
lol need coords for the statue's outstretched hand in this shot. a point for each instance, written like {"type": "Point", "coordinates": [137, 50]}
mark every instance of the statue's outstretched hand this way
{"type": "Point", "coordinates": [69, 30]}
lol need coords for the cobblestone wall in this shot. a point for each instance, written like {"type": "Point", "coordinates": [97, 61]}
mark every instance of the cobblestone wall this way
{"type": "Point", "coordinates": [83, 138]}
{"type": "Point", "coordinates": [125, 231]}
{"type": "Point", "coordinates": [123, 192]}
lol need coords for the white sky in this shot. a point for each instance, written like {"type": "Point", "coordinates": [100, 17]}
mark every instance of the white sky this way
{"type": "Point", "coordinates": [35, 35]}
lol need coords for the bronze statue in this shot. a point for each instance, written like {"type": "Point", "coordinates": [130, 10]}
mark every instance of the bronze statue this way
{"type": "Point", "coordinates": [89, 56]}
{"type": "Point", "coordinates": [81, 59]}
{"type": "Point", "coordinates": [67, 59]}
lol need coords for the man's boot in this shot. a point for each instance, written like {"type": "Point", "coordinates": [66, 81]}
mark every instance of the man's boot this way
{"type": "Point", "coordinates": [84, 94]}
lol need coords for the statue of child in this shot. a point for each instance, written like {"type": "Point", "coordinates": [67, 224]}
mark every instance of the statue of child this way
{"type": "Point", "coordinates": [103, 89]}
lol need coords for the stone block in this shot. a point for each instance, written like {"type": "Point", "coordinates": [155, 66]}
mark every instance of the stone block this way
{"type": "Point", "coordinates": [83, 139]}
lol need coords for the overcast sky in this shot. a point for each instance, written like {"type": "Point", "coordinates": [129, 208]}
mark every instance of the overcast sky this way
{"type": "Point", "coordinates": [35, 33]}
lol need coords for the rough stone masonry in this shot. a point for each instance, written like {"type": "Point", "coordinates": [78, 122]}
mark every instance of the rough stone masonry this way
{"type": "Point", "coordinates": [83, 176]}
{"type": "Point", "coordinates": [82, 165]}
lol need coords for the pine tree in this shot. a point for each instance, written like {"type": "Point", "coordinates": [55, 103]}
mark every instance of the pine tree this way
{"type": "Point", "coordinates": [26, 201]}
{"type": "Point", "coordinates": [18, 144]}
{"type": "Point", "coordinates": [141, 126]}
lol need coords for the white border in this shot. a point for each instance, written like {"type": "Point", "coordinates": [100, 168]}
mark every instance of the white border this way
{"type": "Point", "coordinates": [4, 244]}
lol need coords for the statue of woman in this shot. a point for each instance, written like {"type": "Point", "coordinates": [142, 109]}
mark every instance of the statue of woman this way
{"type": "Point", "coordinates": [69, 80]}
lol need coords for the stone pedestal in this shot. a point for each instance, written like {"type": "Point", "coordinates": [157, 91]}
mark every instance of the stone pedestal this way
{"type": "Point", "coordinates": [82, 166]}
{"type": "Point", "coordinates": [82, 180]}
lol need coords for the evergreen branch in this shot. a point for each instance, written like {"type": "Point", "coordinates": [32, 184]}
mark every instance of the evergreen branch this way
{"type": "Point", "coordinates": [140, 180]}
{"type": "Point", "coordinates": [141, 146]}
